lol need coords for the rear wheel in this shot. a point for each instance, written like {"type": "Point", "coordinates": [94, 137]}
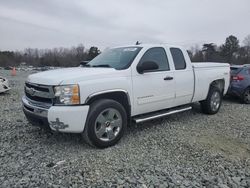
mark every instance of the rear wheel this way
{"type": "Point", "coordinates": [106, 123]}
{"type": "Point", "coordinates": [213, 101]}
{"type": "Point", "coordinates": [246, 96]}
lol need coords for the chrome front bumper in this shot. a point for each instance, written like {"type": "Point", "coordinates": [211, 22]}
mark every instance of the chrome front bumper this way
{"type": "Point", "coordinates": [70, 119]}
{"type": "Point", "coordinates": [35, 114]}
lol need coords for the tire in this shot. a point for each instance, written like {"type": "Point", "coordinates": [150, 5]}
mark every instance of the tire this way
{"type": "Point", "coordinates": [213, 101]}
{"type": "Point", "coordinates": [246, 96]}
{"type": "Point", "coordinates": [106, 123]}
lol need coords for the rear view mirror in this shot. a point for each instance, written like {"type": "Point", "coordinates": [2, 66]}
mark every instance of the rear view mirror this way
{"type": "Point", "coordinates": [147, 66]}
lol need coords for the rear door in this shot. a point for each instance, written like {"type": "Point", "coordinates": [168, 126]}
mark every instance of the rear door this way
{"type": "Point", "coordinates": [154, 90]}
{"type": "Point", "coordinates": [184, 77]}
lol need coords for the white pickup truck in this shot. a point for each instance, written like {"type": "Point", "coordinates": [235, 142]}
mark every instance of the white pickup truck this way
{"type": "Point", "coordinates": [122, 85]}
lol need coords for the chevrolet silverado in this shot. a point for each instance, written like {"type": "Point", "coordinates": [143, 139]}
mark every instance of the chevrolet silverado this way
{"type": "Point", "coordinates": [125, 84]}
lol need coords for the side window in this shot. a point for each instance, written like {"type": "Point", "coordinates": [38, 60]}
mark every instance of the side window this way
{"type": "Point", "coordinates": [159, 56]}
{"type": "Point", "coordinates": [178, 57]}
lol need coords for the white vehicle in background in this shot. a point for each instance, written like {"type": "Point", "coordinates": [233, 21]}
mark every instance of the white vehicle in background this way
{"type": "Point", "coordinates": [124, 84]}
{"type": "Point", "coordinates": [4, 85]}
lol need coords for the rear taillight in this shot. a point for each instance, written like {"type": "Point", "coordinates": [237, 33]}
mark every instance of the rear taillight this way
{"type": "Point", "coordinates": [238, 78]}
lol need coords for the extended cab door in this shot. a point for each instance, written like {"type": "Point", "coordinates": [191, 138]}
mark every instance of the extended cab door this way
{"type": "Point", "coordinates": [184, 76]}
{"type": "Point", "coordinates": [153, 90]}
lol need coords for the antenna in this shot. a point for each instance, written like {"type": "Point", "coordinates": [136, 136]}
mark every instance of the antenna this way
{"type": "Point", "coordinates": [137, 43]}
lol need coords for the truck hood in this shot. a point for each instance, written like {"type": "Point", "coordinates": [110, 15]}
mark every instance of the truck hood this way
{"type": "Point", "coordinates": [69, 75]}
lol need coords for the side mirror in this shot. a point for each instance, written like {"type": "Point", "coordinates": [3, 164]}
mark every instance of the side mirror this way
{"type": "Point", "coordinates": [147, 66]}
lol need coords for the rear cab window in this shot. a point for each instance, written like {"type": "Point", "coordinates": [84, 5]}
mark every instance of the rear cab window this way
{"type": "Point", "coordinates": [178, 58]}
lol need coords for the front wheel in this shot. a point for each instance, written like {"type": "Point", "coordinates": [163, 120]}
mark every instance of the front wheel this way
{"type": "Point", "coordinates": [213, 101]}
{"type": "Point", "coordinates": [106, 123]}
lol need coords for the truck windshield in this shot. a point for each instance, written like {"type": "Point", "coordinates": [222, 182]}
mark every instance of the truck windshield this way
{"type": "Point", "coordinates": [117, 58]}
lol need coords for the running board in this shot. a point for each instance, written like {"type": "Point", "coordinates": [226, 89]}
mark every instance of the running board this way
{"type": "Point", "coordinates": [160, 114]}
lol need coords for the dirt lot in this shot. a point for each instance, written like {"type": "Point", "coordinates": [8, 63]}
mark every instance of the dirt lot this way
{"type": "Point", "coordinates": [186, 150]}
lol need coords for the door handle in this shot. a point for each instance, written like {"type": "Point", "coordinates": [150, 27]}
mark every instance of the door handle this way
{"type": "Point", "coordinates": [168, 78]}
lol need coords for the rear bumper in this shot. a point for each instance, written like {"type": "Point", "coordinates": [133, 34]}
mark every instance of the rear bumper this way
{"type": "Point", "coordinates": [69, 119]}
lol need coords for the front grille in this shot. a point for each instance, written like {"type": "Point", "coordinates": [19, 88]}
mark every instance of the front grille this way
{"type": "Point", "coordinates": [39, 93]}
{"type": "Point", "coordinates": [38, 99]}
{"type": "Point", "coordinates": [43, 89]}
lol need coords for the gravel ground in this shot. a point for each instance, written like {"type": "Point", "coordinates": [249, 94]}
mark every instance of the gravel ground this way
{"type": "Point", "coordinates": [183, 150]}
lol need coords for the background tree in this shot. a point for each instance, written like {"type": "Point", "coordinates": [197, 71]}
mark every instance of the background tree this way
{"type": "Point", "coordinates": [196, 54]}
{"type": "Point", "coordinates": [230, 47]}
{"type": "Point", "coordinates": [246, 47]}
{"type": "Point", "coordinates": [246, 41]}
{"type": "Point", "coordinates": [242, 56]}
{"type": "Point", "coordinates": [6, 58]}
{"type": "Point", "coordinates": [230, 52]}
{"type": "Point", "coordinates": [209, 51]}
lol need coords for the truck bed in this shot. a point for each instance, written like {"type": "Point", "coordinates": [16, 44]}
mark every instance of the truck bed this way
{"type": "Point", "coordinates": [209, 64]}
{"type": "Point", "coordinates": [205, 73]}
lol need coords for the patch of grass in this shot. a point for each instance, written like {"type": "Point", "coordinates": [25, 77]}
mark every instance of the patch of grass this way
{"type": "Point", "coordinates": [228, 147]}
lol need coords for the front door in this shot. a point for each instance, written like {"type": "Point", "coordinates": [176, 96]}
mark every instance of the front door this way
{"type": "Point", "coordinates": [154, 90]}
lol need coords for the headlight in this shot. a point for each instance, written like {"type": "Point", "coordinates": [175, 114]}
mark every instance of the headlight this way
{"type": "Point", "coordinates": [67, 95]}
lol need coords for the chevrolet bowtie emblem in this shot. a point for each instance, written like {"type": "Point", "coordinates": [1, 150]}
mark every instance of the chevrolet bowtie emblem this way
{"type": "Point", "coordinates": [31, 91]}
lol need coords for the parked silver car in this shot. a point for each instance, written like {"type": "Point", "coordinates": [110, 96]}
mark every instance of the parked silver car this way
{"type": "Point", "coordinates": [4, 85]}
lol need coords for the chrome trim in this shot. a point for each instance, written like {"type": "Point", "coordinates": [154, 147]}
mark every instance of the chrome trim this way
{"type": "Point", "coordinates": [139, 120]}
{"type": "Point", "coordinates": [39, 111]}
{"type": "Point", "coordinates": [37, 103]}
{"type": "Point", "coordinates": [33, 92]}
{"type": "Point", "coordinates": [194, 88]}
{"type": "Point", "coordinates": [108, 91]}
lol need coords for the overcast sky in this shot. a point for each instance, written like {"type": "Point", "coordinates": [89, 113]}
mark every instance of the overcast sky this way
{"type": "Point", "coordinates": [107, 23]}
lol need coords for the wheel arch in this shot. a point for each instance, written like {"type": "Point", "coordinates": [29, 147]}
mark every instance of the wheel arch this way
{"type": "Point", "coordinates": [220, 83]}
{"type": "Point", "coordinates": [119, 95]}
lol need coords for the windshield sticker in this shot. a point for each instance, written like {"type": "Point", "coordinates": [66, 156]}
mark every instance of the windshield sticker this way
{"type": "Point", "coordinates": [130, 49]}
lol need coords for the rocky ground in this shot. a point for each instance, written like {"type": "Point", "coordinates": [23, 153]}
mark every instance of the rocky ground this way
{"type": "Point", "coordinates": [184, 150]}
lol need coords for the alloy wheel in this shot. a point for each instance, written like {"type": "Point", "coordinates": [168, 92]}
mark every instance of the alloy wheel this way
{"type": "Point", "coordinates": [108, 124]}
{"type": "Point", "coordinates": [215, 101]}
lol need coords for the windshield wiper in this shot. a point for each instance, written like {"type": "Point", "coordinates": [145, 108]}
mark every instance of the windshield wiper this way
{"type": "Point", "coordinates": [84, 64]}
{"type": "Point", "coordinates": [104, 65]}
{"type": "Point", "coordinates": [87, 65]}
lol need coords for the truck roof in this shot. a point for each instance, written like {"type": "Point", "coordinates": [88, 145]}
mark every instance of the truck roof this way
{"type": "Point", "coordinates": [150, 45]}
